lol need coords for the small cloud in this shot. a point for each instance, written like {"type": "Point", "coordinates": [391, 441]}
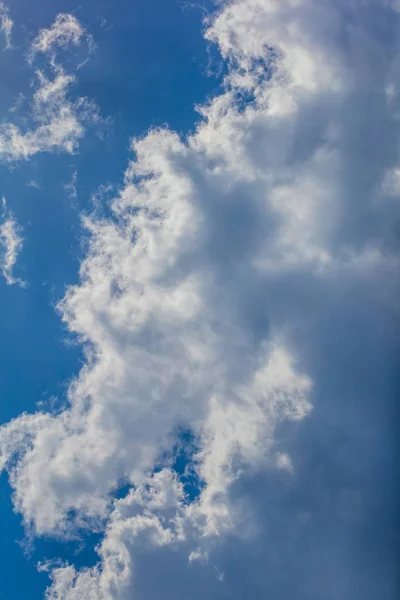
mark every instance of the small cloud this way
{"type": "Point", "coordinates": [104, 23]}
{"type": "Point", "coordinates": [6, 24]}
{"type": "Point", "coordinates": [59, 122]}
{"type": "Point", "coordinates": [284, 462]}
{"type": "Point", "coordinates": [391, 182]}
{"type": "Point", "coordinates": [11, 242]}
{"type": "Point", "coordinates": [70, 187]}
{"type": "Point", "coordinates": [18, 102]}
{"type": "Point", "coordinates": [55, 122]}
{"type": "Point", "coordinates": [198, 555]}
{"type": "Point", "coordinates": [34, 184]}
{"type": "Point", "coordinates": [66, 31]}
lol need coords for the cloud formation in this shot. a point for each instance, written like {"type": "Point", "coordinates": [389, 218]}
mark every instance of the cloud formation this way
{"type": "Point", "coordinates": [57, 122]}
{"type": "Point", "coordinates": [11, 241]}
{"type": "Point", "coordinates": [70, 187]}
{"type": "Point", "coordinates": [224, 297]}
{"type": "Point", "coordinates": [66, 31]}
{"type": "Point", "coordinates": [6, 24]}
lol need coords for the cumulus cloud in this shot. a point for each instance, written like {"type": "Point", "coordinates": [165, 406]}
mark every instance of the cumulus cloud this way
{"type": "Point", "coordinates": [57, 122]}
{"type": "Point", "coordinates": [11, 242]}
{"type": "Point", "coordinates": [239, 280]}
{"type": "Point", "coordinates": [6, 24]}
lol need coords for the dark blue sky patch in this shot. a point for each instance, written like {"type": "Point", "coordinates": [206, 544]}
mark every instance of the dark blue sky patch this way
{"type": "Point", "coordinates": [181, 459]}
{"type": "Point", "coordinates": [184, 465]}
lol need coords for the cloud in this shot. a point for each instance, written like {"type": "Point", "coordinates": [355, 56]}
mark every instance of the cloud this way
{"type": "Point", "coordinates": [66, 31]}
{"type": "Point", "coordinates": [6, 24]}
{"type": "Point", "coordinates": [70, 187]}
{"type": "Point", "coordinates": [34, 184]}
{"type": "Point", "coordinates": [57, 121]}
{"type": "Point", "coordinates": [246, 274]}
{"type": "Point", "coordinates": [11, 242]}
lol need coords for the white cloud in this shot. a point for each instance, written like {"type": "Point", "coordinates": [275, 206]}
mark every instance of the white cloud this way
{"type": "Point", "coordinates": [6, 24]}
{"type": "Point", "coordinates": [11, 242]}
{"type": "Point", "coordinates": [391, 182]}
{"type": "Point", "coordinates": [34, 184]}
{"type": "Point", "coordinates": [66, 31]}
{"type": "Point", "coordinates": [57, 121]}
{"type": "Point", "coordinates": [70, 187]}
{"type": "Point", "coordinates": [201, 299]}
{"type": "Point", "coordinates": [60, 122]}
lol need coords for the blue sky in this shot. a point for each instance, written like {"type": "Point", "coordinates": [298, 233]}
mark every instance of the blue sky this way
{"type": "Point", "coordinates": [146, 71]}
{"type": "Point", "coordinates": [199, 299]}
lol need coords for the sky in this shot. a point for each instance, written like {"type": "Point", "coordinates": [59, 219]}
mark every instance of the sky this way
{"type": "Point", "coordinates": [199, 281]}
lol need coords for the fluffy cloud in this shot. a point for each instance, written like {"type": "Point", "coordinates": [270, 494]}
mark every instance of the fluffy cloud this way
{"type": "Point", "coordinates": [57, 122]}
{"type": "Point", "coordinates": [11, 242]}
{"type": "Point", "coordinates": [242, 273]}
{"type": "Point", "coordinates": [6, 24]}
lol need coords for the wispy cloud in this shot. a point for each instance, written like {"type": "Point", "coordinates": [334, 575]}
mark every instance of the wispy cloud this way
{"type": "Point", "coordinates": [70, 187]}
{"type": "Point", "coordinates": [11, 241]}
{"type": "Point", "coordinates": [60, 122]}
{"type": "Point", "coordinates": [6, 24]}
{"type": "Point", "coordinates": [57, 122]}
{"type": "Point", "coordinates": [66, 31]}
{"type": "Point", "coordinates": [34, 184]}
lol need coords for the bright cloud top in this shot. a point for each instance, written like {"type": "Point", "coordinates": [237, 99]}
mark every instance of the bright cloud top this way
{"type": "Point", "coordinates": [11, 241]}
{"type": "Point", "coordinates": [193, 294]}
{"type": "Point", "coordinates": [6, 24]}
